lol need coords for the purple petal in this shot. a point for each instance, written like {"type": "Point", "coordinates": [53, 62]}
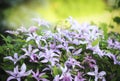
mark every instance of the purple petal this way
{"type": "Point", "coordinates": [28, 73]}
{"type": "Point", "coordinates": [10, 78]}
{"type": "Point", "coordinates": [91, 73]}
{"type": "Point", "coordinates": [10, 72]}
{"type": "Point", "coordinates": [9, 57]}
{"type": "Point", "coordinates": [102, 73]}
{"type": "Point", "coordinates": [23, 68]}
{"type": "Point", "coordinates": [44, 61]}
{"type": "Point", "coordinates": [18, 79]}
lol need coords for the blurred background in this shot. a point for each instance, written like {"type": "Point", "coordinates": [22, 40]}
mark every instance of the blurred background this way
{"type": "Point", "coordinates": [14, 13]}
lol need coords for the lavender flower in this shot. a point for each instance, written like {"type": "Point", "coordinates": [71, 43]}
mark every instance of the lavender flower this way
{"type": "Point", "coordinates": [32, 29]}
{"type": "Point", "coordinates": [79, 77]}
{"type": "Point", "coordinates": [31, 53]}
{"type": "Point", "coordinates": [18, 74]}
{"type": "Point", "coordinates": [36, 38]}
{"type": "Point", "coordinates": [91, 62]}
{"type": "Point", "coordinates": [15, 58]}
{"type": "Point", "coordinates": [49, 56]}
{"type": "Point", "coordinates": [41, 22]}
{"type": "Point", "coordinates": [113, 44]}
{"type": "Point", "coordinates": [71, 62]}
{"type": "Point", "coordinates": [66, 75]}
{"type": "Point", "coordinates": [38, 75]}
{"type": "Point", "coordinates": [98, 75]}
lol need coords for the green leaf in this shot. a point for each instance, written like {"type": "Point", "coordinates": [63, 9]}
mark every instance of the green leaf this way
{"type": "Point", "coordinates": [103, 26]}
{"type": "Point", "coordinates": [116, 19]}
{"type": "Point", "coordinates": [95, 42]}
{"type": "Point", "coordinates": [56, 71]}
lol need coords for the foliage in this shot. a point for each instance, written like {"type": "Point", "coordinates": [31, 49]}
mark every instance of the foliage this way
{"type": "Point", "coordinates": [78, 53]}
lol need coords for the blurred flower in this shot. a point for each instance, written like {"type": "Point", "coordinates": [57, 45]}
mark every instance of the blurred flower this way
{"type": "Point", "coordinates": [49, 56]}
{"type": "Point", "coordinates": [15, 58]}
{"type": "Point", "coordinates": [56, 78]}
{"type": "Point", "coordinates": [96, 50]}
{"type": "Point", "coordinates": [88, 59]}
{"type": "Point", "coordinates": [22, 29]}
{"type": "Point", "coordinates": [71, 63]}
{"type": "Point", "coordinates": [32, 29]}
{"type": "Point", "coordinates": [12, 32]}
{"type": "Point", "coordinates": [17, 74]}
{"type": "Point", "coordinates": [38, 76]}
{"type": "Point", "coordinates": [79, 77]}
{"type": "Point", "coordinates": [31, 53]}
{"type": "Point", "coordinates": [98, 75]}
{"type": "Point", "coordinates": [41, 22]}
{"type": "Point", "coordinates": [36, 38]}
{"type": "Point", "coordinates": [74, 24]}
{"type": "Point", "coordinates": [66, 75]}
{"type": "Point", "coordinates": [112, 43]}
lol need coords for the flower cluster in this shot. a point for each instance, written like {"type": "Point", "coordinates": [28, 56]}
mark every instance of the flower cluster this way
{"type": "Point", "coordinates": [60, 55]}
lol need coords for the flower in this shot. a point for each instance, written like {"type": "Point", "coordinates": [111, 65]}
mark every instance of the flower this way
{"type": "Point", "coordinates": [32, 29]}
{"type": "Point", "coordinates": [66, 75]}
{"type": "Point", "coordinates": [113, 44]}
{"type": "Point", "coordinates": [31, 53]}
{"type": "Point", "coordinates": [79, 77]}
{"type": "Point", "coordinates": [15, 58]}
{"type": "Point", "coordinates": [91, 62]}
{"type": "Point", "coordinates": [17, 74]}
{"type": "Point", "coordinates": [41, 22]}
{"type": "Point", "coordinates": [38, 75]}
{"type": "Point", "coordinates": [98, 75]}
{"type": "Point", "coordinates": [49, 56]}
{"type": "Point", "coordinates": [36, 38]}
{"type": "Point", "coordinates": [96, 50]}
{"type": "Point", "coordinates": [12, 32]}
{"type": "Point", "coordinates": [71, 62]}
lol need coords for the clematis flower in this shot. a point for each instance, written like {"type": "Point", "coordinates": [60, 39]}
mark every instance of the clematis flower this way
{"type": "Point", "coordinates": [65, 76]}
{"type": "Point", "coordinates": [97, 75]}
{"type": "Point", "coordinates": [71, 62]}
{"type": "Point", "coordinates": [74, 24]}
{"type": "Point", "coordinates": [113, 44]}
{"type": "Point", "coordinates": [41, 22]}
{"type": "Point", "coordinates": [15, 58]}
{"type": "Point", "coordinates": [49, 56]}
{"type": "Point", "coordinates": [96, 50]}
{"type": "Point", "coordinates": [22, 29]}
{"type": "Point", "coordinates": [32, 29]}
{"type": "Point", "coordinates": [18, 74]}
{"type": "Point", "coordinates": [79, 77]}
{"type": "Point", "coordinates": [91, 62]}
{"type": "Point", "coordinates": [37, 75]}
{"type": "Point", "coordinates": [36, 38]}
{"type": "Point", "coordinates": [31, 53]}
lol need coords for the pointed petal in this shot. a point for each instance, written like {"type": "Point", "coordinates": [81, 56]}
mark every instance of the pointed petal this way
{"type": "Point", "coordinates": [10, 72]}
{"type": "Point", "coordinates": [96, 69]}
{"type": "Point", "coordinates": [44, 61]}
{"type": "Point", "coordinates": [28, 73]}
{"type": "Point", "coordinates": [18, 79]}
{"type": "Point", "coordinates": [16, 56]}
{"type": "Point", "coordinates": [10, 78]}
{"type": "Point", "coordinates": [34, 51]}
{"type": "Point", "coordinates": [102, 73]}
{"type": "Point", "coordinates": [23, 68]}
{"type": "Point", "coordinates": [9, 57]}
{"type": "Point", "coordinates": [29, 48]}
{"type": "Point", "coordinates": [91, 73]}
{"type": "Point", "coordinates": [16, 69]}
